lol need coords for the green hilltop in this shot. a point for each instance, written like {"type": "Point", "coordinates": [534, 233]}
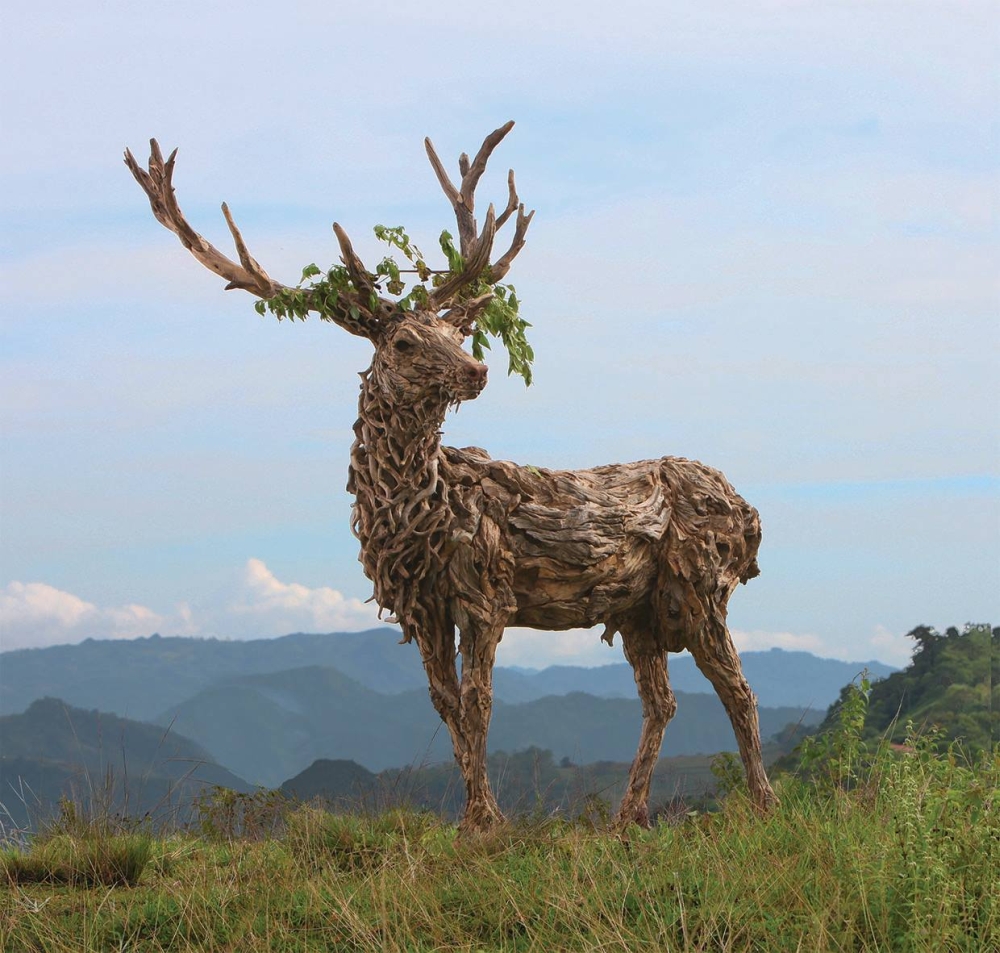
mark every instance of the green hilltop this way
{"type": "Point", "coordinates": [952, 685]}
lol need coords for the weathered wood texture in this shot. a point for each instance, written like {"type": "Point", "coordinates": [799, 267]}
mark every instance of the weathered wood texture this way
{"type": "Point", "coordinates": [459, 546]}
{"type": "Point", "coordinates": [457, 542]}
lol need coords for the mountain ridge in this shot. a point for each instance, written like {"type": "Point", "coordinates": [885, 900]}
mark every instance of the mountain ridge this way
{"type": "Point", "coordinates": [54, 750]}
{"type": "Point", "coordinates": [139, 678]}
{"type": "Point", "coordinates": [268, 728]}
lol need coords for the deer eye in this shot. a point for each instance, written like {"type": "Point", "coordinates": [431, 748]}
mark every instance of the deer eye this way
{"type": "Point", "coordinates": [402, 345]}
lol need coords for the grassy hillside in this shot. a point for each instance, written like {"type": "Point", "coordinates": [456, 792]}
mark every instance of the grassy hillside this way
{"type": "Point", "coordinates": [901, 860]}
{"type": "Point", "coordinates": [952, 685]}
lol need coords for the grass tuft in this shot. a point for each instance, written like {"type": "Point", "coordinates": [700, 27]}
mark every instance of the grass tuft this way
{"type": "Point", "coordinates": [111, 861]}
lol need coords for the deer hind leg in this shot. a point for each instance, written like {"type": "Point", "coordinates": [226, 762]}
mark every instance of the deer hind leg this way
{"type": "Point", "coordinates": [649, 665]}
{"type": "Point", "coordinates": [716, 657]}
{"type": "Point", "coordinates": [478, 646]}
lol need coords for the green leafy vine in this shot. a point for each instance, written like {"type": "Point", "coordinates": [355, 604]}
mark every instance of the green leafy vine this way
{"type": "Point", "coordinates": [322, 292]}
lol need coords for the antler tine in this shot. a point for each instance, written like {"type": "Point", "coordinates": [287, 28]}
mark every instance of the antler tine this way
{"type": "Point", "coordinates": [470, 178]}
{"type": "Point", "coordinates": [463, 216]}
{"type": "Point", "coordinates": [157, 183]}
{"type": "Point", "coordinates": [442, 176]}
{"type": "Point", "coordinates": [355, 266]}
{"type": "Point", "coordinates": [512, 200]}
{"type": "Point", "coordinates": [474, 266]}
{"type": "Point", "coordinates": [246, 259]}
{"type": "Point", "coordinates": [502, 265]}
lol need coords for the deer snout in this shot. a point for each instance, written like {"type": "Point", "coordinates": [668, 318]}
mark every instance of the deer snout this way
{"type": "Point", "coordinates": [476, 374]}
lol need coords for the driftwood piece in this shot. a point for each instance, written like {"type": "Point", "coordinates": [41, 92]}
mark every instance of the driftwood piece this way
{"type": "Point", "coordinates": [459, 546]}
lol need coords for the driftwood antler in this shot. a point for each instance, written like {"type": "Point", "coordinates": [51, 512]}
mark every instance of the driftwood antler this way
{"type": "Point", "coordinates": [475, 246]}
{"type": "Point", "coordinates": [359, 310]}
{"type": "Point", "coordinates": [157, 183]}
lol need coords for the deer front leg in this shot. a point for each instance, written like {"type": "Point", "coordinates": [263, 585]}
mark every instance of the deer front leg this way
{"type": "Point", "coordinates": [716, 657]}
{"type": "Point", "coordinates": [649, 666]}
{"type": "Point", "coordinates": [478, 648]}
{"type": "Point", "coordinates": [437, 651]}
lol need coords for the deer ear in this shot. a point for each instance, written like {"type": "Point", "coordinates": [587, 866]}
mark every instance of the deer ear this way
{"type": "Point", "coordinates": [463, 316]}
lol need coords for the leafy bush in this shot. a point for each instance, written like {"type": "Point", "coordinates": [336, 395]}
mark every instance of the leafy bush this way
{"type": "Point", "coordinates": [227, 815]}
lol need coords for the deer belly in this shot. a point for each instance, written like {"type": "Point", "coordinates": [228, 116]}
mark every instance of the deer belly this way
{"type": "Point", "coordinates": [555, 594]}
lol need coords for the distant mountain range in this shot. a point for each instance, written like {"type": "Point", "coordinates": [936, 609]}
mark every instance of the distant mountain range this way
{"type": "Point", "coordinates": [267, 709]}
{"type": "Point", "coordinates": [141, 678]}
{"type": "Point", "coordinates": [268, 727]}
{"type": "Point", "coordinates": [109, 766]}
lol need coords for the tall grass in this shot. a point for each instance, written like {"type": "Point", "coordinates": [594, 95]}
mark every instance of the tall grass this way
{"type": "Point", "coordinates": [871, 849]}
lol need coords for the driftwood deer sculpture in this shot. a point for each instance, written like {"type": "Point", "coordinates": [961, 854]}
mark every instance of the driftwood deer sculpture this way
{"type": "Point", "coordinates": [454, 541]}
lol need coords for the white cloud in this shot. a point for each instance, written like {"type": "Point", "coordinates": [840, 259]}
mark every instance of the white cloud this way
{"type": "Point", "coordinates": [268, 606]}
{"type": "Point", "coordinates": [529, 648]}
{"type": "Point", "coordinates": [532, 649]}
{"type": "Point", "coordinates": [891, 647]}
{"type": "Point", "coordinates": [757, 641]}
{"type": "Point", "coordinates": [260, 605]}
{"type": "Point", "coordinates": [35, 614]}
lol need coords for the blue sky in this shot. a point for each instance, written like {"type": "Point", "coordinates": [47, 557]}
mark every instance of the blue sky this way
{"type": "Point", "coordinates": [766, 238]}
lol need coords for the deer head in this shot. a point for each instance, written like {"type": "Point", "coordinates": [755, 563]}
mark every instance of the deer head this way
{"type": "Point", "coordinates": [419, 356]}
{"type": "Point", "coordinates": [420, 360]}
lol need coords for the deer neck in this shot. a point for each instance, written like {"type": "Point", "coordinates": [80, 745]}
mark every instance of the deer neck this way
{"type": "Point", "coordinates": [396, 448]}
{"type": "Point", "coordinates": [400, 514]}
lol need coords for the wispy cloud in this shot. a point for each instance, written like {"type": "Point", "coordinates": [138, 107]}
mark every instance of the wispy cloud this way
{"type": "Point", "coordinates": [891, 647]}
{"type": "Point", "coordinates": [265, 604]}
{"type": "Point", "coordinates": [35, 614]}
{"type": "Point", "coordinates": [530, 649]}
{"type": "Point", "coordinates": [258, 605]}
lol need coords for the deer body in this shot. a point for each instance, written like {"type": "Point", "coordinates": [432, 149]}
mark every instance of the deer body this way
{"type": "Point", "coordinates": [457, 543]}
{"type": "Point", "coordinates": [459, 546]}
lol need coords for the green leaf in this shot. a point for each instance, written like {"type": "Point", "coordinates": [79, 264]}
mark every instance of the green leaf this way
{"type": "Point", "coordinates": [324, 295]}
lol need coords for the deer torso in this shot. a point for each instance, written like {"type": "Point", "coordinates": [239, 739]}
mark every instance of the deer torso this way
{"type": "Point", "coordinates": [454, 537]}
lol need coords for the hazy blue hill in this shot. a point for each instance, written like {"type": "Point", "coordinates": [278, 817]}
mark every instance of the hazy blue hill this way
{"type": "Point", "coordinates": [585, 729]}
{"type": "Point", "coordinates": [270, 727]}
{"type": "Point", "coordinates": [139, 678]}
{"type": "Point", "coordinates": [779, 677]}
{"type": "Point", "coordinates": [143, 677]}
{"type": "Point", "coordinates": [53, 749]}
{"type": "Point", "coordinates": [334, 779]}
